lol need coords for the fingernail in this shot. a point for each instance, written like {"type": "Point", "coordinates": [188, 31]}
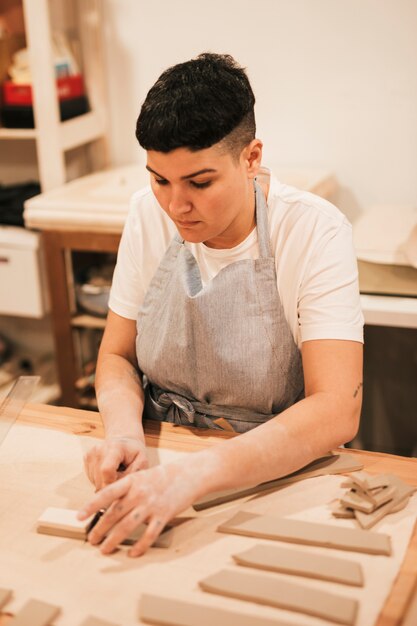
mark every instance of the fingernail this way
{"type": "Point", "coordinates": [82, 515]}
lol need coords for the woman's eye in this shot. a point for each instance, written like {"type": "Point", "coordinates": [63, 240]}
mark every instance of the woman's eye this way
{"type": "Point", "coordinates": [200, 185]}
{"type": "Point", "coordinates": [161, 181]}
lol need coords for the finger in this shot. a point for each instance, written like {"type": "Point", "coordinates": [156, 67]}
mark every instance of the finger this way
{"type": "Point", "coordinates": [109, 466]}
{"type": "Point", "coordinates": [104, 498]}
{"type": "Point", "coordinates": [139, 463]}
{"type": "Point", "coordinates": [150, 535]}
{"type": "Point", "coordinates": [114, 514]}
{"type": "Point", "coordinates": [122, 530]}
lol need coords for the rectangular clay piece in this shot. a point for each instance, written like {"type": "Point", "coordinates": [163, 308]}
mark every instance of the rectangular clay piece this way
{"type": "Point", "coordinates": [311, 533]}
{"type": "Point", "coordinates": [301, 563]}
{"type": "Point", "coordinates": [368, 481]}
{"type": "Point", "coordinates": [403, 492]}
{"type": "Point", "coordinates": [64, 523]}
{"type": "Point", "coordinates": [331, 464]}
{"type": "Point", "coordinates": [356, 501]}
{"type": "Point", "coordinates": [172, 612]}
{"type": "Point", "coordinates": [273, 591]}
{"type": "Point", "coordinates": [341, 512]}
{"type": "Point", "coordinates": [5, 596]}
{"type": "Point", "coordinates": [96, 621]}
{"type": "Point", "coordinates": [35, 613]}
{"type": "Point", "coordinates": [382, 495]}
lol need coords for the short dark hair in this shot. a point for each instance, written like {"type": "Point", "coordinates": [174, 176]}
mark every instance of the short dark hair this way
{"type": "Point", "coordinates": [197, 104]}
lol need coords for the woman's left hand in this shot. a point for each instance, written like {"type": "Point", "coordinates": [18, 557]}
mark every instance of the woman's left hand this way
{"type": "Point", "coordinates": [152, 496]}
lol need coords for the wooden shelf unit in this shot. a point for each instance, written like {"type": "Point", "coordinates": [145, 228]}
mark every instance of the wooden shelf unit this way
{"type": "Point", "coordinates": [54, 138]}
{"type": "Point", "coordinates": [57, 244]}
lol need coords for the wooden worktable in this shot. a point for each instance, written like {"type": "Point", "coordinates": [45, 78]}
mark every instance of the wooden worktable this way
{"type": "Point", "coordinates": [88, 423]}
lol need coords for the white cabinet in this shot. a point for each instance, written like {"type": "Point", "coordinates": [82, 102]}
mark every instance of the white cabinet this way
{"type": "Point", "coordinates": [22, 276]}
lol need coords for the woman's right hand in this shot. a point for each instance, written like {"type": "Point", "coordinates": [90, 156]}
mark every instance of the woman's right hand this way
{"type": "Point", "coordinates": [113, 458]}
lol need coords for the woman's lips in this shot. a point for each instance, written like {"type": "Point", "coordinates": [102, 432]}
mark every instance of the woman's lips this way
{"type": "Point", "coordinates": [187, 224]}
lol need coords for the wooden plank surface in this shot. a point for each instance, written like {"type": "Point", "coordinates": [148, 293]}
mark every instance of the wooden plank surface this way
{"type": "Point", "coordinates": [164, 435]}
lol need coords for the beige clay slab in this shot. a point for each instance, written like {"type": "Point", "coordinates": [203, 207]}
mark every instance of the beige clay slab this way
{"type": "Point", "coordinates": [64, 523]}
{"type": "Point", "coordinates": [381, 496]}
{"type": "Point", "coordinates": [35, 613]}
{"type": "Point", "coordinates": [311, 533]}
{"type": "Point", "coordinates": [274, 591]}
{"type": "Point", "coordinates": [341, 511]}
{"type": "Point", "coordinates": [172, 612]}
{"type": "Point", "coordinates": [96, 621]}
{"type": "Point", "coordinates": [5, 596]}
{"type": "Point", "coordinates": [64, 520]}
{"type": "Point", "coordinates": [367, 481]}
{"type": "Point", "coordinates": [349, 484]}
{"type": "Point", "coordinates": [302, 563]}
{"type": "Point", "coordinates": [330, 464]}
{"type": "Point", "coordinates": [353, 500]}
{"type": "Point", "coordinates": [403, 493]}
{"type": "Point", "coordinates": [362, 501]}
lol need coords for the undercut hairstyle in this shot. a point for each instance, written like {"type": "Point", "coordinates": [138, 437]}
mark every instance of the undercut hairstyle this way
{"type": "Point", "coordinates": [197, 104]}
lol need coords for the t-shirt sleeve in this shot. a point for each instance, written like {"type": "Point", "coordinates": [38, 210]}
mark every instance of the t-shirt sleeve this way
{"type": "Point", "coordinates": [329, 301]}
{"type": "Point", "coordinates": [127, 289]}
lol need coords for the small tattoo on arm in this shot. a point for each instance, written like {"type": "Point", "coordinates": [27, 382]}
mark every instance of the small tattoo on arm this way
{"type": "Point", "coordinates": [355, 393]}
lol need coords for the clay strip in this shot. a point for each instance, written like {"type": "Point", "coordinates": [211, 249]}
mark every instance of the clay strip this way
{"type": "Point", "coordinates": [172, 612]}
{"type": "Point", "coordinates": [403, 492]}
{"type": "Point", "coordinates": [362, 501]}
{"type": "Point", "coordinates": [302, 563]}
{"type": "Point", "coordinates": [35, 613]}
{"type": "Point", "coordinates": [368, 481]}
{"type": "Point", "coordinates": [311, 533]}
{"type": "Point", "coordinates": [5, 596]}
{"type": "Point", "coordinates": [340, 511]}
{"type": "Point", "coordinates": [273, 591]}
{"type": "Point", "coordinates": [331, 464]}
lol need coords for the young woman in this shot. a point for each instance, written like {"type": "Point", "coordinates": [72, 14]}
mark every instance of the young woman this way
{"type": "Point", "coordinates": [234, 302]}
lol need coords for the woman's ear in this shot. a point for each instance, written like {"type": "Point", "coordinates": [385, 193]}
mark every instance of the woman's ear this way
{"type": "Point", "coordinates": [252, 157]}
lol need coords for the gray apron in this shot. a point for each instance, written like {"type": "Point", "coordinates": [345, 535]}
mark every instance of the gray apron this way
{"type": "Point", "coordinates": [220, 355]}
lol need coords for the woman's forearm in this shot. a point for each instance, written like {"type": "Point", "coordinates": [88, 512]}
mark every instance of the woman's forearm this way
{"type": "Point", "coordinates": [302, 433]}
{"type": "Point", "coordinates": [120, 397]}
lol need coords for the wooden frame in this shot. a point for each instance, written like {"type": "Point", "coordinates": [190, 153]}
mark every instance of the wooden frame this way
{"type": "Point", "coordinates": [56, 244]}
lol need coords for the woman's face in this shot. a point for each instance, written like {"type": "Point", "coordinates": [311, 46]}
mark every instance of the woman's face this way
{"type": "Point", "coordinates": [208, 194]}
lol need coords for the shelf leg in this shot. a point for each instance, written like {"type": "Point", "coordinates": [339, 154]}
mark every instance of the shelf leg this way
{"type": "Point", "coordinates": [61, 316]}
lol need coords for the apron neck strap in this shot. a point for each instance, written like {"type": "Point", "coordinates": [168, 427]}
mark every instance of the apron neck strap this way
{"type": "Point", "coordinates": [264, 242]}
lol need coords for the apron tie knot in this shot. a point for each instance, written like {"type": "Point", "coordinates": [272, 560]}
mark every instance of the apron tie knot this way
{"type": "Point", "coordinates": [178, 409]}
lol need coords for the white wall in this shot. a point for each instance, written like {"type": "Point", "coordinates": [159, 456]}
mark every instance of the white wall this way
{"type": "Point", "coordinates": [335, 80]}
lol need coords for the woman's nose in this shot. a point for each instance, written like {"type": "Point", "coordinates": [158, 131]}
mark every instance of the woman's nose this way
{"type": "Point", "coordinates": [179, 204]}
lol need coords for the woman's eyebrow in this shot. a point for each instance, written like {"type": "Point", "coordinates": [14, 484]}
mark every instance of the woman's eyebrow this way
{"type": "Point", "coordinates": [198, 173]}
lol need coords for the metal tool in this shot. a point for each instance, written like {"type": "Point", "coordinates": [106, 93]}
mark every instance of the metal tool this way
{"type": "Point", "coordinates": [93, 522]}
{"type": "Point", "coordinates": [14, 402]}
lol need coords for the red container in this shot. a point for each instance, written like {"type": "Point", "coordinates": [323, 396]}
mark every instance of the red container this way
{"type": "Point", "coordinates": [68, 88]}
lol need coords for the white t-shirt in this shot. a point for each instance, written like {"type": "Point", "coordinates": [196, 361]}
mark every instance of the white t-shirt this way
{"type": "Point", "coordinates": [317, 277]}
